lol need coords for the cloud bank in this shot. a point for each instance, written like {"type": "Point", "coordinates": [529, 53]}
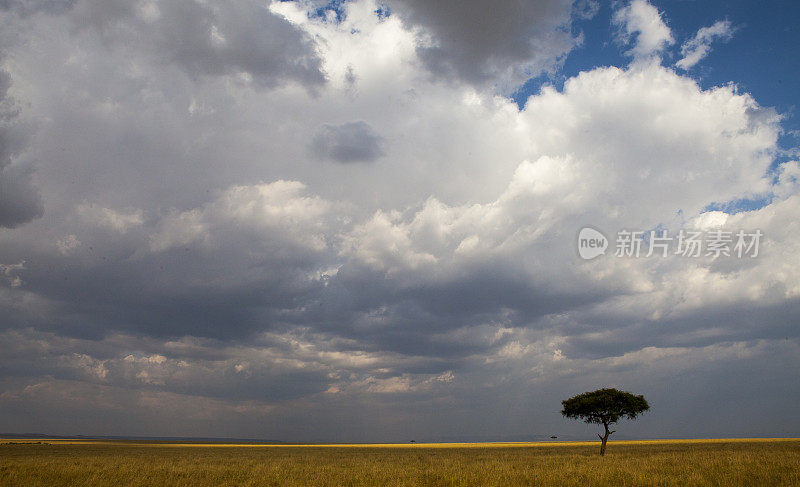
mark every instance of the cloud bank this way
{"type": "Point", "coordinates": [264, 222]}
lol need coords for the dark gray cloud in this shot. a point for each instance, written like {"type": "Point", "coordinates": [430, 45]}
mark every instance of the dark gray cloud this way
{"type": "Point", "coordinates": [603, 335]}
{"type": "Point", "coordinates": [20, 201]}
{"type": "Point", "coordinates": [478, 41]}
{"type": "Point", "coordinates": [13, 137]}
{"type": "Point", "coordinates": [348, 142]}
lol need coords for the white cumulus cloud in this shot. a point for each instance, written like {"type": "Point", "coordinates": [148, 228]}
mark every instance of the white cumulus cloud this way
{"type": "Point", "coordinates": [640, 19]}
{"type": "Point", "coordinates": [699, 46]}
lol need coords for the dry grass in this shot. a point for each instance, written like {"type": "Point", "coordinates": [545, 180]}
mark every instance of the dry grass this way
{"type": "Point", "coordinates": [691, 462]}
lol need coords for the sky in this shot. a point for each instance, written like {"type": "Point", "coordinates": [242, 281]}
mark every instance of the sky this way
{"type": "Point", "coordinates": [361, 221]}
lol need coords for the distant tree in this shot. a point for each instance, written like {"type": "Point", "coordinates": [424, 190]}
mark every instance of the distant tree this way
{"type": "Point", "coordinates": [606, 407]}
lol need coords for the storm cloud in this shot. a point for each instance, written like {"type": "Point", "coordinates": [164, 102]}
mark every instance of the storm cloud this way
{"type": "Point", "coordinates": [482, 42]}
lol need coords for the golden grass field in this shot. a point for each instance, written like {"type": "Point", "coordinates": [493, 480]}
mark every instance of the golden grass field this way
{"type": "Point", "coordinates": [752, 462]}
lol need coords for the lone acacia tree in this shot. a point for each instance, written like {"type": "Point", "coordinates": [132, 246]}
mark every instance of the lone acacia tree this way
{"type": "Point", "coordinates": [604, 406]}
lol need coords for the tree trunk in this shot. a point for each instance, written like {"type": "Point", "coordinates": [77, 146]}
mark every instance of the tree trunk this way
{"type": "Point", "coordinates": [604, 439]}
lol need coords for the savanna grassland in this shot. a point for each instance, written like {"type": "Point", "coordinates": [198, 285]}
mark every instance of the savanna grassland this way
{"type": "Point", "coordinates": [669, 462]}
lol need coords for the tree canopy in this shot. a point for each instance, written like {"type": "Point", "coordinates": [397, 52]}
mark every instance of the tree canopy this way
{"type": "Point", "coordinates": [604, 406]}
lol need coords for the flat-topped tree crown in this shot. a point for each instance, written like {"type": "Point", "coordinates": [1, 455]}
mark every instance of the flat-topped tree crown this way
{"type": "Point", "coordinates": [604, 406]}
